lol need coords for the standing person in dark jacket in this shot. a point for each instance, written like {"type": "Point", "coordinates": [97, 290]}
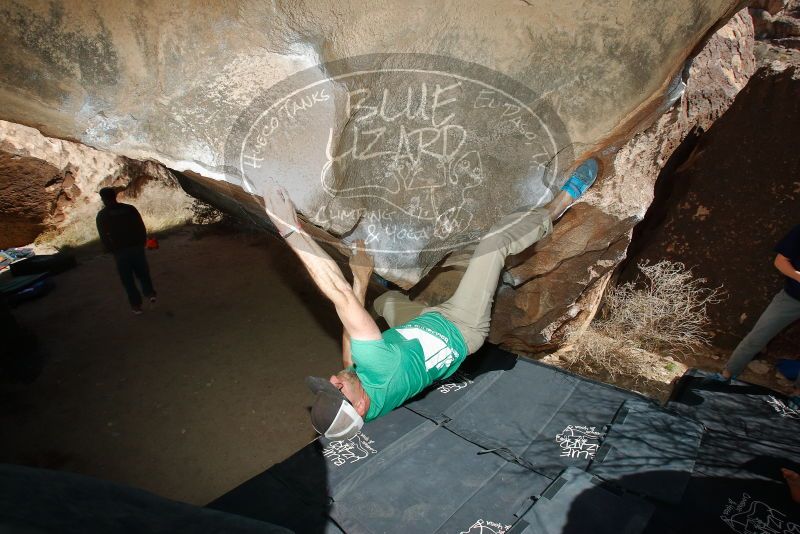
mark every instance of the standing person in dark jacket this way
{"type": "Point", "coordinates": [123, 233]}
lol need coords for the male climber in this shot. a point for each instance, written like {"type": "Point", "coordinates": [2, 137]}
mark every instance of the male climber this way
{"type": "Point", "coordinates": [423, 344]}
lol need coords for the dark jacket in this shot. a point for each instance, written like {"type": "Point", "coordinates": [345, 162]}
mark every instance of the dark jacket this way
{"type": "Point", "coordinates": [120, 226]}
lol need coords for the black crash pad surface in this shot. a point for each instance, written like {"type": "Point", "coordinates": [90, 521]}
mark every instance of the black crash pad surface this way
{"type": "Point", "coordinates": [515, 446]}
{"type": "Point", "coordinates": [577, 502]}
{"type": "Point", "coordinates": [737, 408]}
{"type": "Point", "coordinates": [48, 263]}
{"type": "Point", "coordinates": [649, 451]}
{"type": "Point", "coordinates": [509, 446]}
{"type": "Point", "coordinates": [41, 501]}
{"type": "Point", "coordinates": [427, 487]}
{"type": "Point", "coordinates": [546, 418]}
{"type": "Point", "coordinates": [498, 504]}
{"type": "Point", "coordinates": [736, 485]}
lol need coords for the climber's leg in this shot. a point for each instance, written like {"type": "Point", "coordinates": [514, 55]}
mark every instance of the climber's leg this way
{"type": "Point", "coordinates": [470, 306]}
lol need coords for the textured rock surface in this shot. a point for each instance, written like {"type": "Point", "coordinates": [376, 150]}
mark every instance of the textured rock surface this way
{"type": "Point", "coordinates": [777, 22]}
{"type": "Point", "coordinates": [556, 285]}
{"type": "Point", "coordinates": [50, 185]}
{"type": "Point", "coordinates": [118, 76]}
{"type": "Point", "coordinates": [773, 7]}
{"type": "Point", "coordinates": [734, 198]}
{"type": "Point", "coordinates": [26, 197]}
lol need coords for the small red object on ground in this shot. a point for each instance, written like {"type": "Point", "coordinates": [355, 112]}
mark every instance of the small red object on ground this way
{"type": "Point", "coordinates": [152, 243]}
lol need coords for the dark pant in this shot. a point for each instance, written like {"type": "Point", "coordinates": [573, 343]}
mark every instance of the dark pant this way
{"type": "Point", "coordinates": [781, 312]}
{"type": "Point", "coordinates": [130, 262]}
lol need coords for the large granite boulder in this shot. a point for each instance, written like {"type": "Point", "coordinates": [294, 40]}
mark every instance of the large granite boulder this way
{"type": "Point", "coordinates": [412, 125]}
{"type": "Point", "coordinates": [557, 284]}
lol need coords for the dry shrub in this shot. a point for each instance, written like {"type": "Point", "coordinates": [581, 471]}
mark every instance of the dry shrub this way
{"type": "Point", "coordinates": [595, 353]}
{"type": "Point", "coordinates": [204, 213]}
{"type": "Point", "coordinates": [668, 313]}
{"type": "Point", "coordinates": [665, 311]}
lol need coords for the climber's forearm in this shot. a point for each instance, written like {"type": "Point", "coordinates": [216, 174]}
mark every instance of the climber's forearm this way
{"type": "Point", "coordinates": [784, 265]}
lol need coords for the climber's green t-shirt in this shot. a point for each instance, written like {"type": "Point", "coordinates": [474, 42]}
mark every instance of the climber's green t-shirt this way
{"type": "Point", "coordinates": [408, 358]}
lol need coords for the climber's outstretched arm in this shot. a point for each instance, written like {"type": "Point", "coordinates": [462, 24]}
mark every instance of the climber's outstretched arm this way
{"type": "Point", "coordinates": [323, 270]}
{"type": "Point", "coordinates": [361, 265]}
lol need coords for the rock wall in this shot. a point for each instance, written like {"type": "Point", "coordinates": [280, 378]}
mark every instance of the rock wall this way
{"type": "Point", "coordinates": [777, 21]}
{"type": "Point", "coordinates": [484, 109]}
{"type": "Point", "coordinates": [412, 125]}
{"type": "Point", "coordinates": [557, 284]}
{"type": "Point", "coordinates": [48, 188]}
{"type": "Point", "coordinates": [26, 197]}
{"type": "Point", "coordinates": [588, 244]}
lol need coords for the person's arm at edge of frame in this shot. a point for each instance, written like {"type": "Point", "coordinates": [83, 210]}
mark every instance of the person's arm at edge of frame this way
{"type": "Point", "coordinates": [361, 265]}
{"type": "Point", "coordinates": [322, 268]}
{"type": "Point", "coordinates": [784, 265]}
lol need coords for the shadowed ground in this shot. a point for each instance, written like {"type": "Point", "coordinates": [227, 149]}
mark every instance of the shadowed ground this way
{"type": "Point", "coordinates": [189, 399]}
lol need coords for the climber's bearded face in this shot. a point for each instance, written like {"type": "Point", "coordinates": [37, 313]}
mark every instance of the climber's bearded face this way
{"type": "Point", "coordinates": [348, 383]}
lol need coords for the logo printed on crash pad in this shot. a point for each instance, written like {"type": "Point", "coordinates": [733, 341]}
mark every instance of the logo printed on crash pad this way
{"type": "Point", "coordinates": [579, 441]}
{"type": "Point", "coordinates": [481, 526]}
{"type": "Point", "coordinates": [457, 382]}
{"type": "Point", "coordinates": [782, 408]}
{"type": "Point", "coordinates": [749, 516]}
{"type": "Point", "coordinates": [349, 451]}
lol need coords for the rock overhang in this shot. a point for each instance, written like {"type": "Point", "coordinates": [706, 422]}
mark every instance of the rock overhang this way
{"type": "Point", "coordinates": [114, 76]}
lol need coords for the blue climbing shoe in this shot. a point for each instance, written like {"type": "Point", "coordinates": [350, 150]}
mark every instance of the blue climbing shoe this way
{"type": "Point", "coordinates": [717, 377]}
{"type": "Point", "coordinates": [581, 179]}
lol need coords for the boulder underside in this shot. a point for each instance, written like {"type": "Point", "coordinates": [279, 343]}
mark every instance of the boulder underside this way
{"type": "Point", "coordinates": [413, 126]}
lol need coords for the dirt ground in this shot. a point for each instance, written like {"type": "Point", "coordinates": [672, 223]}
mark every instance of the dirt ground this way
{"type": "Point", "coordinates": [189, 399]}
{"type": "Point", "coordinates": [656, 373]}
{"type": "Point", "coordinates": [205, 390]}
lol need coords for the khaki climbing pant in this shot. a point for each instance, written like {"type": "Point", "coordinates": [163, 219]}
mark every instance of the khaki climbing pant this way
{"type": "Point", "coordinates": [470, 306]}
